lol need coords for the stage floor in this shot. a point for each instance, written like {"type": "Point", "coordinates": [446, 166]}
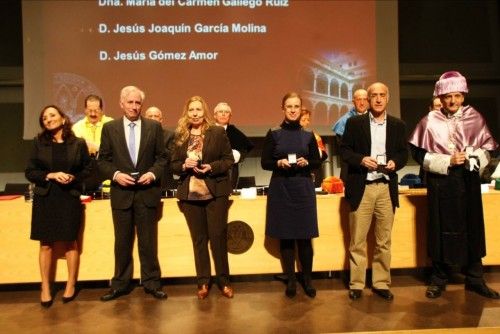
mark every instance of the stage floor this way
{"type": "Point", "coordinates": [258, 307]}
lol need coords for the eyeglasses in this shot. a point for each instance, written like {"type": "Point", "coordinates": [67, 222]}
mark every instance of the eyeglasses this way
{"type": "Point", "coordinates": [223, 112]}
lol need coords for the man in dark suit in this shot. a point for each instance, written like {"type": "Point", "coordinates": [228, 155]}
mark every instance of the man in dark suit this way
{"type": "Point", "coordinates": [167, 179]}
{"type": "Point", "coordinates": [133, 156]}
{"type": "Point", "coordinates": [240, 144]}
{"type": "Point", "coordinates": [374, 147]}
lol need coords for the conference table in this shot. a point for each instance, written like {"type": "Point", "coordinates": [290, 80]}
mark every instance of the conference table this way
{"type": "Point", "coordinates": [19, 254]}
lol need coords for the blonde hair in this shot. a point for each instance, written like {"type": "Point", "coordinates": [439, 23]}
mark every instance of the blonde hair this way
{"type": "Point", "coordinates": [184, 126]}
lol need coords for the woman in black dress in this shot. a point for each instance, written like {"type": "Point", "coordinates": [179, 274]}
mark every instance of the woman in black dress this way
{"type": "Point", "coordinates": [58, 163]}
{"type": "Point", "coordinates": [291, 152]}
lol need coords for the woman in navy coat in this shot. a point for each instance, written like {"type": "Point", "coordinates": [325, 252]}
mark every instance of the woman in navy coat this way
{"type": "Point", "coordinates": [291, 152]}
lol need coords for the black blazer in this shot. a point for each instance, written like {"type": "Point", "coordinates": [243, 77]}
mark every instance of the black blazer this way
{"type": "Point", "coordinates": [356, 144]}
{"type": "Point", "coordinates": [239, 141]}
{"type": "Point", "coordinates": [40, 164]}
{"type": "Point", "coordinates": [167, 179]}
{"type": "Point", "coordinates": [216, 152]}
{"type": "Point", "coordinates": [114, 156]}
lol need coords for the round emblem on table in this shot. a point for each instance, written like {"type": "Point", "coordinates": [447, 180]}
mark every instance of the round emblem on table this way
{"type": "Point", "coordinates": [239, 237]}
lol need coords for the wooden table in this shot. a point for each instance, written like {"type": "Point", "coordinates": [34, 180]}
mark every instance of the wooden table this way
{"type": "Point", "coordinates": [19, 254]}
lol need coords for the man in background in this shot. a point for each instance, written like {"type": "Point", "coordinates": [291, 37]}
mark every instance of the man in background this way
{"type": "Point", "coordinates": [360, 100]}
{"type": "Point", "coordinates": [167, 179]}
{"type": "Point", "coordinates": [240, 143]}
{"type": "Point", "coordinates": [90, 128]}
{"type": "Point", "coordinates": [435, 104]}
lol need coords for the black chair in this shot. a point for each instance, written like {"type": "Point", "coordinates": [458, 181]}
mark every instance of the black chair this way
{"type": "Point", "coordinates": [15, 188]}
{"type": "Point", "coordinates": [245, 182]}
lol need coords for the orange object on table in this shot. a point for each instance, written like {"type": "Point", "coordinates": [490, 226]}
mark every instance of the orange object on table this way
{"type": "Point", "coordinates": [332, 185]}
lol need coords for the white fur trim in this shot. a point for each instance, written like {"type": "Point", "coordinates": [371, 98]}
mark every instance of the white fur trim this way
{"type": "Point", "coordinates": [437, 163]}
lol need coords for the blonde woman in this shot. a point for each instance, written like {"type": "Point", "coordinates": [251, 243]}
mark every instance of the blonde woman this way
{"type": "Point", "coordinates": [202, 157]}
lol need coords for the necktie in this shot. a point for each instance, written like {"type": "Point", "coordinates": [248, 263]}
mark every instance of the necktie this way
{"type": "Point", "coordinates": [131, 142]}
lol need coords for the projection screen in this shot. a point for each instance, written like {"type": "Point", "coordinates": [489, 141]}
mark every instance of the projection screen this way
{"type": "Point", "coordinates": [248, 53]}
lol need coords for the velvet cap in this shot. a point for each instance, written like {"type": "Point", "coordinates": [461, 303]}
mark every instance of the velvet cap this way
{"type": "Point", "coordinates": [449, 82]}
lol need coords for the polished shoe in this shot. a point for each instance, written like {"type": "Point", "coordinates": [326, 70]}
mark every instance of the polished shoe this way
{"type": "Point", "coordinates": [203, 291]}
{"type": "Point", "coordinates": [483, 290]}
{"type": "Point", "coordinates": [291, 289]}
{"type": "Point", "coordinates": [227, 291]}
{"type": "Point", "coordinates": [46, 304]}
{"type": "Point", "coordinates": [355, 293]}
{"type": "Point", "coordinates": [113, 294]}
{"type": "Point", "coordinates": [158, 293]}
{"type": "Point", "coordinates": [384, 293]}
{"type": "Point", "coordinates": [310, 290]}
{"type": "Point", "coordinates": [308, 287]}
{"type": "Point", "coordinates": [434, 291]}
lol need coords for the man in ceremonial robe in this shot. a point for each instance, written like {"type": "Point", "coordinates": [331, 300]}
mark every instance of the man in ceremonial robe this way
{"type": "Point", "coordinates": [452, 147]}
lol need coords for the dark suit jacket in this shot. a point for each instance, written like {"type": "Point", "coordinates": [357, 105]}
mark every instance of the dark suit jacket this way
{"type": "Point", "coordinates": [114, 156]}
{"type": "Point", "coordinates": [239, 141]}
{"type": "Point", "coordinates": [216, 152]}
{"type": "Point", "coordinates": [167, 179]}
{"type": "Point", "coordinates": [356, 144]}
{"type": "Point", "coordinates": [41, 163]}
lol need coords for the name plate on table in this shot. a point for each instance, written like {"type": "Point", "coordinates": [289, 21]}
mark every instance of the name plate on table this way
{"type": "Point", "coordinates": [248, 193]}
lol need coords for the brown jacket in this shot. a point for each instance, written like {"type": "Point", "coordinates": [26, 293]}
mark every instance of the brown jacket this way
{"type": "Point", "coordinates": [216, 152]}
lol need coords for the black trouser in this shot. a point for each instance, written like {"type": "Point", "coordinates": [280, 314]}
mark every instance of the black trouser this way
{"type": "Point", "coordinates": [473, 272]}
{"type": "Point", "coordinates": [207, 221]}
{"type": "Point", "coordinates": [143, 219]}
{"type": "Point", "coordinates": [305, 251]}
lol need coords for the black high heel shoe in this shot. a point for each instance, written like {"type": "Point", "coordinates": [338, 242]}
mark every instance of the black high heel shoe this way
{"type": "Point", "coordinates": [66, 300]}
{"type": "Point", "coordinates": [47, 304]}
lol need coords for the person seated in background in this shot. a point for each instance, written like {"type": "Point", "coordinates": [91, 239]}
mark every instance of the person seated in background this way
{"type": "Point", "coordinates": [240, 144]}
{"type": "Point", "coordinates": [167, 179]}
{"type": "Point", "coordinates": [435, 104]}
{"type": "Point", "coordinates": [305, 121]}
{"type": "Point", "coordinates": [360, 101]}
{"type": "Point", "coordinates": [90, 128]}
